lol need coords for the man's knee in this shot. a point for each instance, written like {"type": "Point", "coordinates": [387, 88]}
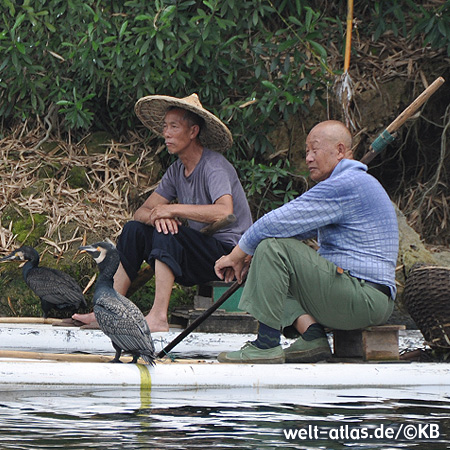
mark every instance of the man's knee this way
{"type": "Point", "coordinates": [272, 247]}
{"type": "Point", "coordinates": [266, 245]}
{"type": "Point", "coordinates": [162, 240]}
{"type": "Point", "coordinates": [134, 234]}
{"type": "Point", "coordinates": [134, 245]}
{"type": "Point", "coordinates": [133, 227]}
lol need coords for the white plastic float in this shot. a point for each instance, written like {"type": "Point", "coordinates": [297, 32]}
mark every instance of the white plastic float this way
{"type": "Point", "coordinates": [47, 375]}
{"type": "Point", "coordinates": [50, 375]}
{"type": "Point", "coordinates": [45, 337]}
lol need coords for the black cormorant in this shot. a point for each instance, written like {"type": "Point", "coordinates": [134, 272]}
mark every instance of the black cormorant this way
{"type": "Point", "coordinates": [117, 316]}
{"type": "Point", "coordinates": [56, 289]}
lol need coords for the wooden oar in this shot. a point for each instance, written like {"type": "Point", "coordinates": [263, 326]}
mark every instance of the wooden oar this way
{"type": "Point", "coordinates": [200, 319]}
{"type": "Point", "coordinates": [380, 143]}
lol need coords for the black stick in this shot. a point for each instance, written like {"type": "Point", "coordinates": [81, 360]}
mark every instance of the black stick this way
{"type": "Point", "coordinates": [225, 296]}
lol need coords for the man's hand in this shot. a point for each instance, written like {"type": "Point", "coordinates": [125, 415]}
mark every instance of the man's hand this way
{"type": "Point", "coordinates": [234, 265]}
{"type": "Point", "coordinates": [161, 212]}
{"type": "Point", "coordinates": [164, 220]}
{"type": "Point", "coordinates": [167, 226]}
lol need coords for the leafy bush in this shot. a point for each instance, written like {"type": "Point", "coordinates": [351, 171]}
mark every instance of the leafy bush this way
{"type": "Point", "coordinates": [94, 59]}
{"type": "Point", "coordinates": [410, 18]}
{"type": "Point", "coordinates": [269, 186]}
{"type": "Point", "coordinates": [252, 62]}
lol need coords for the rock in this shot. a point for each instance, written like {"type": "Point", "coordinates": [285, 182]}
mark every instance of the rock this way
{"type": "Point", "coordinates": [411, 248]}
{"type": "Point", "coordinates": [411, 251]}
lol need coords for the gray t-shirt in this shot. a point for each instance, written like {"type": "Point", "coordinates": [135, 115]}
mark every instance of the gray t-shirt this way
{"type": "Point", "coordinates": [212, 178]}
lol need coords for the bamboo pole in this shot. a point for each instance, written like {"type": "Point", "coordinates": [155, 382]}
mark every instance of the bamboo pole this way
{"type": "Point", "coordinates": [39, 320]}
{"type": "Point", "coordinates": [348, 40]}
{"type": "Point", "coordinates": [62, 357]}
{"type": "Point", "coordinates": [385, 137]}
{"type": "Point", "coordinates": [84, 358]}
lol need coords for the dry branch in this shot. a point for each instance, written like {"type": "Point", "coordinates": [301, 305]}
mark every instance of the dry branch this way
{"type": "Point", "coordinates": [38, 181]}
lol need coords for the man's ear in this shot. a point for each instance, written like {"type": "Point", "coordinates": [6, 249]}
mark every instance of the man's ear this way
{"type": "Point", "coordinates": [195, 130]}
{"type": "Point", "coordinates": [342, 151]}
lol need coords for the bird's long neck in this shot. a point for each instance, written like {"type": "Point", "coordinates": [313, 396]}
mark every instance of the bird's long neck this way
{"type": "Point", "coordinates": [104, 280]}
{"type": "Point", "coordinates": [28, 266]}
{"type": "Point", "coordinates": [107, 269]}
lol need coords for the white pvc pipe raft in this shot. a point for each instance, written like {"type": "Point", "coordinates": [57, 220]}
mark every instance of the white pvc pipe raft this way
{"type": "Point", "coordinates": [40, 337]}
{"type": "Point", "coordinates": [48, 376]}
{"type": "Point", "coordinates": [44, 375]}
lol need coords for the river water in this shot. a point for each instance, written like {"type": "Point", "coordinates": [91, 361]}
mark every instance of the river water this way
{"type": "Point", "coordinates": [241, 419]}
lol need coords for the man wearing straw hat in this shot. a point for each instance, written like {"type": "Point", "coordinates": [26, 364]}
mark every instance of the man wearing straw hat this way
{"type": "Point", "coordinates": [206, 188]}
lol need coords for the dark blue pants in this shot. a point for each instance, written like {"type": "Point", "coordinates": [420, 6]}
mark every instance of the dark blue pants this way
{"type": "Point", "coordinates": [189, 254]}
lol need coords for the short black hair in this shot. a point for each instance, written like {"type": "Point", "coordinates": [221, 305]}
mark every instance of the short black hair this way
{"type": "Point", "coordinates": [190, 117]}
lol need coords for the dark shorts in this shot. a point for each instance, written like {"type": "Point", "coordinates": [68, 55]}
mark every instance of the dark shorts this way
{"type": "Point", "coordinates": [189, 254]}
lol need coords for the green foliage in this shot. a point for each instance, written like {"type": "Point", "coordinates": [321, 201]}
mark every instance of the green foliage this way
{"type": "Point", "coordinates": [252, 62]}
{"type": "Point", "coordinates": [434, 25]}
{"type": "Point", "coordinates": [411, 18]}
{"type": "Point", "coordinates": [94, 59]}
{"type": "Point", "coordinates": [77, 178]}
{"type": "Point", "coordinates": [268, 186]}
{"type": "Point", "coordinates": [17, 299]}
{"type": "Point", "coordinates": [28, 227]}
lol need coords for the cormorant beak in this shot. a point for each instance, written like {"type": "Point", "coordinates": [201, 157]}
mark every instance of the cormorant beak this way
{"type": "Point", "coordinates": [93, 251]}
{"type": "Point", "coordinates": [85, 248]}
{"type": "Point", "coordinates": [10, 257]}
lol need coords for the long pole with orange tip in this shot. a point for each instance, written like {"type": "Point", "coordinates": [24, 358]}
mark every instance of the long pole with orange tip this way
{"type": "Point", "coordinates": [344, 91]}
{"type": "Point", "coordinates": [348, 40]}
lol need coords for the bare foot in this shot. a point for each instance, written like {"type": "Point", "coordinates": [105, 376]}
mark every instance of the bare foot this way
{"type": "Point", "coordinates": [157, 325]}
{"type": "Point", "coordinates": [88, 319]}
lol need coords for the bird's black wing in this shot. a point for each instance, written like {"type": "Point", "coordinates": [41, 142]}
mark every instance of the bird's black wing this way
{"type": "Point", "coordinates": [123, 322]}
{"type": "Point", "coordinates": [55, 287]}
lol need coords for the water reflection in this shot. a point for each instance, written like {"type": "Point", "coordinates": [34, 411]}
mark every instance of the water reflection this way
{"type": "Point", "coordinates": [203, 419]}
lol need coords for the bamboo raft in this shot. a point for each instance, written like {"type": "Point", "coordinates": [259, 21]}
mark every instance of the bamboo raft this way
{"type": "Point", "coordinates": [45, 357]}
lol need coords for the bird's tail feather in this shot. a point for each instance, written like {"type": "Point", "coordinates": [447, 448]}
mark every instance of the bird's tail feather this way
{"type": "Point", "coordinates": [149, 358]}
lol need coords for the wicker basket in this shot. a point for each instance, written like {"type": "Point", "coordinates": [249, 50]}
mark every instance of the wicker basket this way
{"type": "Point", "coordinates": [427, 298]}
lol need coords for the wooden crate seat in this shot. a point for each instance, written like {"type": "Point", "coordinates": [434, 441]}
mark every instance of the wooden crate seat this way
{"type": "Point", "coordinates": [374, 343]}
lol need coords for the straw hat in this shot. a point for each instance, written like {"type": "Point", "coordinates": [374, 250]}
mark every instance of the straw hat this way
{"type": "Point", "coordinates": [152, 109]}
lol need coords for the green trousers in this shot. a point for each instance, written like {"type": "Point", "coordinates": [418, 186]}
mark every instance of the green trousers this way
{"type": "Point", "coordinates": [288, 279]}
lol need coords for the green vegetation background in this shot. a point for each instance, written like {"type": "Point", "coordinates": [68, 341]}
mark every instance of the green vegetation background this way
{"type": "Point", "coordinates": [253, 63]}
{"type": "Point", "coordinates": [93, 59]}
